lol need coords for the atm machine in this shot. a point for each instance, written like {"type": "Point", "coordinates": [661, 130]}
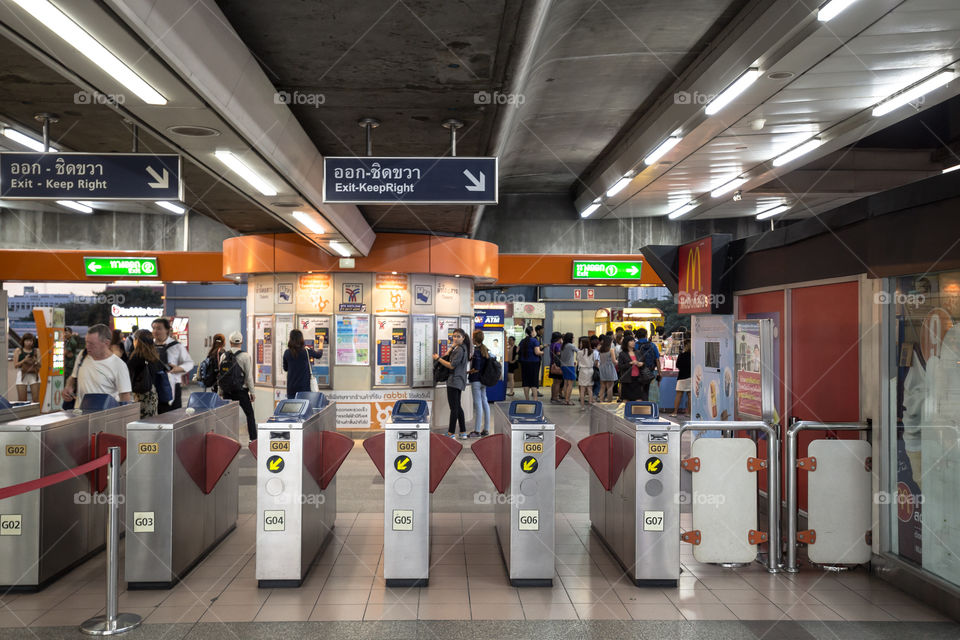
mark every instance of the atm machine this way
{"type": "Point", "coordinates": [634, 496]}
{"type": "Point", "coordinates": [16, 410]}
{"type": "Point", "coordinates": [45, 533]}
{"type": "Point", "coordinates": [521, 460]}
{"type": "Point", "coordinates": [298, 453]}
{"type": "Point", "coordinates": [412, 461]}
{"type": "Point", "coordinates": [182, 489]}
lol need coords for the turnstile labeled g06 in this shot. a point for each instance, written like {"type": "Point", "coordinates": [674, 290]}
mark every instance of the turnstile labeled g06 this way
{"type": "Point", "coordinates": [298, 453]}
{"type": "Point", "coordinates": [182, 489]}
{"type": "Point", "coordinates": [45, 533]}
{"type": "Point", "coordinates": [16, 410]}
{"type": "Point", "coordinates": [634, 498]}
{"type": "Point", "coordinates": [412, 462]}
{"type": "Point", "coordinates": [521, 460]}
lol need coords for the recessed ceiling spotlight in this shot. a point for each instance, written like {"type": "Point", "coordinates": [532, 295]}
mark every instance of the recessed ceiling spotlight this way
{"type": "Point", "coordinates": [193, 131]}
{"type": "Point", "coordinates": [781, 75]}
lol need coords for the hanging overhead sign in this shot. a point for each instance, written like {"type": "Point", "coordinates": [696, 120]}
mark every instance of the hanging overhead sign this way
{"type": "Point", "coordinates": [388, 180]}
{"type": "Point", "coordinates": [121, 267]}
{"type": "Point", "coordinates": [607, 269]}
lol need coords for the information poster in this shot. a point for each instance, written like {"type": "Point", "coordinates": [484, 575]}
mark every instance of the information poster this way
{"type": "Point", "coordinates": [313, 328]}
{"type": "Point", "coordinates": [423, 351]}
{"type": "Point", "coordinates": [392, 335]}
{"type": "Point", "coordinates": [391, 293]}
{"type": "Point", "coordinates": [747, 363]}
{"type": "Point", "coordinates": [445, 328]}
{"type": "Point", "coordinates": [353, 340]}
{"type": "Point", "coordinates": [466, 323]}
{"type": "Point", "coordinates": [263, 350]}
{"type": "Point", "coordinates": [284, 325]}
{"type": "Point", "coordinates": [771, 361]}
{"type": "Point", "coordinates": [315, 293]}
{"type": "Point", "coordinates": [372, 410]}
{"type": "Point", "coordinates": [712, 359]}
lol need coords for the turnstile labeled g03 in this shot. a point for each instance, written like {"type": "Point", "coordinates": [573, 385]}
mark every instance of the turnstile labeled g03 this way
{"type": "Point", "coordinates": [45, 533]}
{"type": "Point", "coordinates": [521, 460]}
{"type": "Point", "coordinates": [412, 462]}
{"type": "Point", "coordinates": [634, 498]}
{"type": "Point", "coordinates": [182, 489]}
{"type": "Point", "coordinates": [298, 453]}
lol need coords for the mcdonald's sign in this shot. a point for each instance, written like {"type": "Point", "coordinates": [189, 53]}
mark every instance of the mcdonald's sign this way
{"type": "Point", "coordinates": [695, 277]}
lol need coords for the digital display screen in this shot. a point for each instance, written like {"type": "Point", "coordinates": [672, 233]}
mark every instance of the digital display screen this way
{"type": "Point", "coordinates": [58, 355]}
{"type": "Point", "coordinates": [641, 410]}
{"type": "Point", "coordinates": [408, 408]}
{"type": "Point", "coordinates": [526, 409]}
{"type": "Point", "coordinates": [291, 407]}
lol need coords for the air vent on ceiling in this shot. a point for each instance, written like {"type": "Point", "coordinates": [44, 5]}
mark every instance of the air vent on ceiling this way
{"type": "Point", "coordinates": [193, 131]}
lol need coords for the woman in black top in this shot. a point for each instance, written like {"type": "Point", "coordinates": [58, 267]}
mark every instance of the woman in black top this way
{"type": "Point", "coordinates": [144, 365]}
{"type": "Point", "coordinates": [628, 365]}
{"type": "Point", "coordinates": [683, 375]}
{"type": "Point", "coordinates": [296, 362]}
{"type": "Point", "coordinates": [513, 363]}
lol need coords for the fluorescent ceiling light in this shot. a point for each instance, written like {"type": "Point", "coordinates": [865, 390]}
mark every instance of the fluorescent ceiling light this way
{"type": "Point", "coordinates": [24, 140]}
{"type": "Point", "coordinates": [339, 248]}
{"type": "Point", "coordinates": [729, 94]}
{"type": "Point", "coordinates": [76, 206]}
{"type": "Point", "coordinates": [661, 151]}
{"type": "Point", "coordinates": [619, 186]}
{"type": "Point", "coordinates": [172, 208]}
{"type": "Point", "coordinates": [682, 211]}
{"type": "Point", "coordinates": [586, 213]}
{"type": "Point", "coordinates": [895, 102]}
{"type": "Point", "coordinates": [308, 222]}
{"type": "Point", "coordinates": [253, 178]}
{"type": "Point", "coordinates": [773, 212]}
{"type": "Point", "coordinates": [952, 169]}
{"type": "Point", "coordinates": [727, 187]}
{"type": "Point", "coordinates": [796, 152]}
{"type": "Point", "coordinates": [75, 36]}
{"type": "Point", "coordinates": [832, 9]}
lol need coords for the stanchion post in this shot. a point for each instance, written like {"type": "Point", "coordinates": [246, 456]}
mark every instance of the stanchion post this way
{"type": "Point", "coordinates": [113, 623]}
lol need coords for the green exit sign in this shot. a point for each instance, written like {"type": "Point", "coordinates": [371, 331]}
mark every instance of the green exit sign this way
{"type": "Point", "coordinates": [607, 269]}
{"type": "Point", "coordinates": [121, 267]}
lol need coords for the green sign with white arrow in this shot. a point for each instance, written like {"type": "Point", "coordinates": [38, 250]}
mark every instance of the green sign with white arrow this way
{"type": "Point", "coordinates": [121, 267]}
{"type": "Point", "coordinates": [607, 269]}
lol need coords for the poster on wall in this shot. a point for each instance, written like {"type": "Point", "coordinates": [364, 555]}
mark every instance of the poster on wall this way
{"type": "Point", "coordinates": [392, 336]}
{"type": "Point", "coordinates": [263, 350]}
{"type": "Point", "coordinates": [391, 293]}
{"type": "Point", "coordinates": [353, 340]}
{"type": "Point", "coordinates": [284, 325]}
{"type": "Point", "coordinates": [712, 361]}
{"type": "Point", "coordinates": [423, 351]}
{"type": "Point", "coordinates": [466, 323]}
{"type": "Point", "coordinates": [445, 328]}
{"type": "Point", "coordinates": [263, 294]}
{"type": "Point", "coordinates": [352, 297]}
{"type": "Point", "coordinates": [314, 328]}
{"type": "Point", "coordinates": [372, 410]}
{"type": "Point", "coordinates": [774, 360]}
{"type": "Point", "coordinates": [315, 293]}
{"type": "Point", "coordinates": [755, 370]}
{"type": "Point", "coordinates": [447, 296]}
{"type": "Point", "coordinates": [285, 293]}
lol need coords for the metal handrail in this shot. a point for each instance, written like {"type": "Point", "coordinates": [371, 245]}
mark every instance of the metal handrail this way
{"type": "Point", "coordinates": [773, 476]}
{"type": "Point", "coordinates": [791, 476]}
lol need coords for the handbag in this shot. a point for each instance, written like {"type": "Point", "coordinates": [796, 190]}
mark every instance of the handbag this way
{"type": "Point", "coordinates": [30, 365]}
{"type": "Point", "coordinates": [555, 369]}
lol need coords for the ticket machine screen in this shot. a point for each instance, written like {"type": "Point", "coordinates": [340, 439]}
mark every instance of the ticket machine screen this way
{"type": "Point", "coordinates": [526, 409]}
{"type": "Point", "coordinates": [641, 410]}
{"type": "Point", "coordinates": [291, 407]}
{"type": "Point", "coordinates": [408, 408]}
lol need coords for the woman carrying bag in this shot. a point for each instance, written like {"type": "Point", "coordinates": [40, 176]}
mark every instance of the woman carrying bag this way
{"type": "Point", "coordinates": [456, 363]}
{"type": "Point", "coordinates": [296, 362]}
{"type": "Point", "coordinates": [144, 366]}
{"type": "Point", "coordinates": [635, 376]}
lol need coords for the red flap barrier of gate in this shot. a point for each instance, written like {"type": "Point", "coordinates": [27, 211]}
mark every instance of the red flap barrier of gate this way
{"type": "Point", "coordinates": [46, 481]}
{"type": "Point", "coordinates": [375, 447]}
{"type": "Point", "coordinates": [563, 447]}
{"type": "Point", "coordinates": [336, 448]}
{"type": "Point", "coordinates": [443, 451]}
{"type": "Point", "coordinates": [489, 452]}
{"type": "Point", "coordinates": [253, 448]}
{"type": "Point", "coordinates": [102, 442]}
{"type": "Point", "coordinates": [606, 457]}
{"type": "Point", "coordinates": [220, 452]}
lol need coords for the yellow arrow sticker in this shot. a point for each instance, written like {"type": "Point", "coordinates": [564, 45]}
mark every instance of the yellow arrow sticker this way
{"type": "Point", "coordinates": [654, 465]}
{"type": "Point", "coordinates": [402, 464]}
{"type": "Point", "coordinates": [529, 464]}
{"type": "Point", "coordinates": [275, 464]}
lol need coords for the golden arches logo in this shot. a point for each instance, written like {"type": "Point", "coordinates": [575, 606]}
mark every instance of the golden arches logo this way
{"type": "Point", "coordinates": [694, 273]}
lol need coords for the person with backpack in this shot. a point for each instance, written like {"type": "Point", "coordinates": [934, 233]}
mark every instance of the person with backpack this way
{"type": "Point", "coordinates": [177, 362]}
{"type": "Point", "coordinates": [296, 362]}
{"type": "Point", "coordinates": [235, 380]}
{"type": "Point", "coordinates": [481, 407]}
{"type": "Point", "coordinates": [207, 371]}
{"type": "Point", "coordinates": [144, 366]}
{"type": "Point", "coordinates": [456, 362]}
{"type": "Point", "coordinates": [650, 356]}
{"type": "Point", "coordinates": [530, 357]}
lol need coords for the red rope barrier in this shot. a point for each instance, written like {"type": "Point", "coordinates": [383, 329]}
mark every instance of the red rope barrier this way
{"type": "Point", "coordinates": [46, 481]}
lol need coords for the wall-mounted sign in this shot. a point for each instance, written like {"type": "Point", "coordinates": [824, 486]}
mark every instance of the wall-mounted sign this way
{"type": "Point", "coordinates": [136, 312]}
{"type": "Point", "coordinates": [285, 293]}
{"type": "Point", "coordinates": [695, 276]}
{"type": "Point", "coordinates": [607, 269]}
{"type": "Point", "coordinates": [419, 180]}
{"type": "Point", "coordinates": [121, 267]}
{"type": "Point", "coordinates": [263, 350]}
{"type": "Point", "coordinates": [353, 340]}
{"type": "Point", "coordinates": [422, 295]}
{"type": "Point", "coordinates": [352, 299]}
{"type": "Point", "coordinates": [315, 293]}
{"type": "Point", "coordinates": [529, 310]}
{"type": "Point", "coordinates": [393, 338]}
{"type": "Point", "coordinates": [314, 328]}
{"type": "Point", "coordinates": [391, 293]}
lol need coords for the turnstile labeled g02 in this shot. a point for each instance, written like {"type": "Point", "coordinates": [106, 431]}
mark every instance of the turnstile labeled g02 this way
{"type": "Point", "coordinates": [45, 533]}
{"type": "Point", "coordinates": [521, 460]}
{"type": "Point", "coordinates": [182, 489]}
{"type": "Point", "coordinates": [634, 498]}
{"type": "Point", "coordinates": [298, 453]}
{"type": "Point", "coordinates": [412, 462]}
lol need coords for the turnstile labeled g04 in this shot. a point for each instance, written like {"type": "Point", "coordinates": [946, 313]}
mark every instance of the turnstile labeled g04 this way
{"type": "Point", "coordinates": [182, 489]}
{"type": "Point", "coordinates": [634, 498]}
{"type": "Point", "coordinates": [521, 460]}
{"type": "Point", "coordinates": [412, 462]}
{"type": "Point", "coordinates": [16, 410]}
{"type": "Point", "coordinates": [298, 453]}
{"type": "Point", "coordinates": [45, 533]}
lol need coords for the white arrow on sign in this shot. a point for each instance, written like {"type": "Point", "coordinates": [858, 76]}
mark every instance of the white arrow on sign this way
{"type": "Point", "coordinates": [94, 267]}
{"type": "Point", "coordinates": [632, 270]}
{"type": "Point", "coordinates": [160, 182]}
{"type": "Point", "coordinates": [478, 185]}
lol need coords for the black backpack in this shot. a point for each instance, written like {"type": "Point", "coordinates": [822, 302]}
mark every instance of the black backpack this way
{"type": "Point", "coordinates": [208, 372]}
{"type": "Point", "coordinates": [142, 381]}
{"type": "Point", "coordinates": [491, 372]}
{"type": "Point", "coordinates": [162, 352]}
{"type": "Point", "coordinates": [230, 377]}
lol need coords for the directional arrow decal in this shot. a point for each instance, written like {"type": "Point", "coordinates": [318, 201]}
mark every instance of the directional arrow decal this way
{"type": "Point", "coordinates": [633, 271]}
{"type": "Point", "coordinates": [160, 181]}
{"type": "Point", "coordinates": [478, 185]}
{"type": "Point", "coordinates": [94, 267]}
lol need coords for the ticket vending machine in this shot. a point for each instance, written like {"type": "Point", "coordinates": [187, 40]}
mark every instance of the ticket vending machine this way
{"type": "Point", "coordinates": [634, 496]}
{"type": "Point", "coordinates": [521, 460]}
{"type": "Point", "coordinates": [298, 453]}
{"type": "Point", "coordinates": [412, 462]}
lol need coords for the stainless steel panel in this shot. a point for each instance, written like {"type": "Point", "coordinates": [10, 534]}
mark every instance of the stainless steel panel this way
{"type": "Point", "coordinates": [406, 507]}
{"type": "Point", "coordinates": [19, 412]}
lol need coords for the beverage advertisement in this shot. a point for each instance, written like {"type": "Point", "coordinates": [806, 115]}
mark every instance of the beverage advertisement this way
{"type": "Point", "coordinates": [392, 335]}
{"type": "Point", "coordinates": [353, 340]}
{"type": "Point", "coordinates": [712, 360]}
{"type": "Point", "coordinates": [313, 328]}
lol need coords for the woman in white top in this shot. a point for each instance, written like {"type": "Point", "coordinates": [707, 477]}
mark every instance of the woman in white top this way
{"type": "Point", "coordinates": [585, 362]}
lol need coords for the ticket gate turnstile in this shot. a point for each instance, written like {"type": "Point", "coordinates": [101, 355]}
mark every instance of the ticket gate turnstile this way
{"type": "Point", "coordinates": [634, 496]}
{"type": "Point", "coordinates": [17, 410]}
{"type": "Point", "coordinates": [412, 461]}
{"type": "Point", "coordinates": [46, 532]}
{"type": "Point", "coordinates": [182, 489]}
{"type": "Point", "coordinates": [521, 460]}
{"type": "Point", "coordinates": [298, 453]}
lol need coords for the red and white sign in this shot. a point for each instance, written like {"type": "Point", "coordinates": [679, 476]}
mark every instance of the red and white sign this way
{"type": "Point", "coordinates": [590, 294]}
{"type": "Point", "coordinates": [696, 275]}
{"type": "Point", "coordinates": [576, 294]}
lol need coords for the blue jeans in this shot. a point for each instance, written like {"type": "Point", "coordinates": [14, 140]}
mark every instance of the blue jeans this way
{"type": "Point", "coordinates": [481, 408]}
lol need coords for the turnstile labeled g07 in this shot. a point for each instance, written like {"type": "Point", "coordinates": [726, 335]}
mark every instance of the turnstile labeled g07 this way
{"type": "Point", "coordinates": [634, 498]}
{"type": "Point", "coordinates": [298, 453]}
{"type": "Point", "coordinates": [412, 462]}
{"type": "Point", "coordinates": [521, 460]}
{"type": "Point", "coordinates": [182, 489]}
{"type": "Point", "coordinates": [46, 532]}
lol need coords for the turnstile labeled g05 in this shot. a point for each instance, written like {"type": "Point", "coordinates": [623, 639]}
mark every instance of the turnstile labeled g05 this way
{"type": "Point", "coordinates": [634, 498]}
{"type": "Point", "coordinates": [298, 453]}
{"type": "Point", "coordinates": [521, 460]}
{"type": "Point", "coordinates": [45, 533]}
{"type": "Point", "coordinates": [182, 489]}
{"type": "Point", "coordinates": [412, 462]}
{"type": "Point", "coordinates": [16, 410]}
